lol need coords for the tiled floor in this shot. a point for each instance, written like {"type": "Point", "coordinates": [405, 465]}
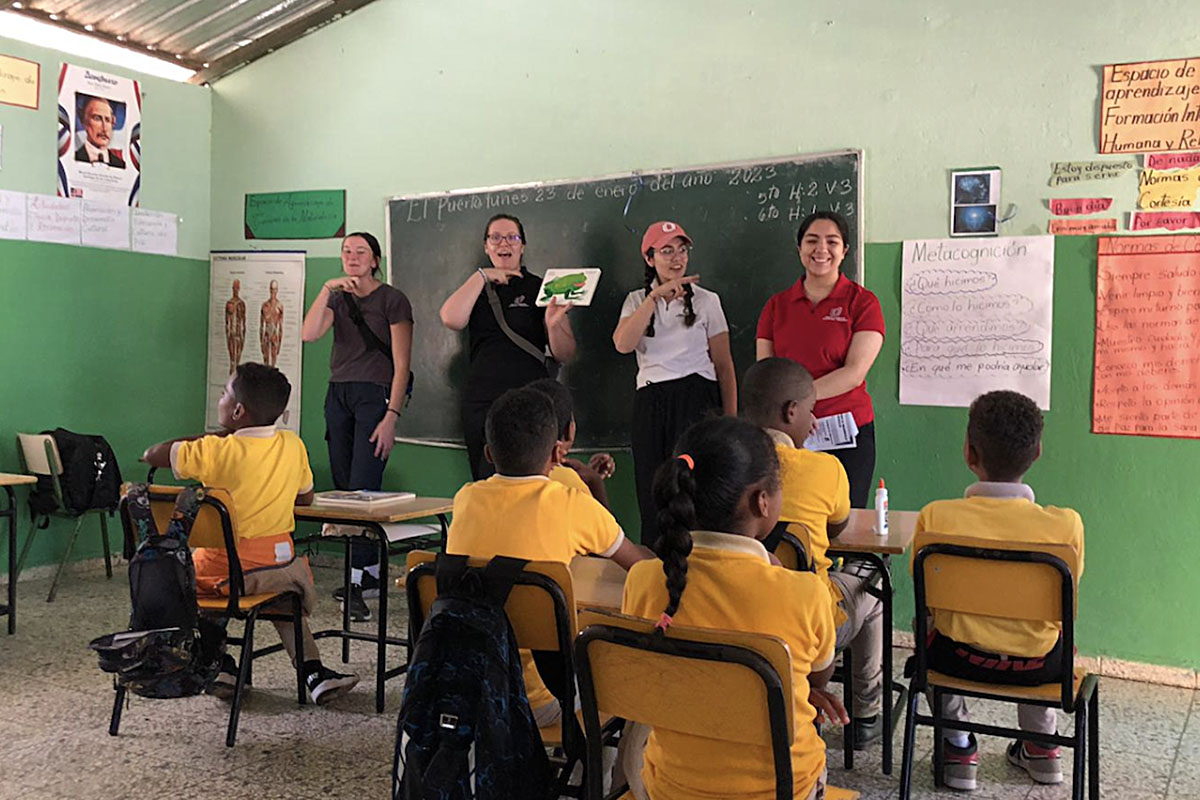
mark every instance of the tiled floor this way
{"type": "Point", "coordinates": [55, 705]}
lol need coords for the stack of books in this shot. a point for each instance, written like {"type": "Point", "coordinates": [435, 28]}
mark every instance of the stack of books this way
{"type": "Point", "coordinates": [363, 499]}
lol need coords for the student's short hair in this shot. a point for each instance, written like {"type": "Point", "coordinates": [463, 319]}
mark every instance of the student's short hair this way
{"type": "Point", "coordinates": [768, 385]}
{"type": "Point", "coordinates": [521, 431]}
{"type": "Point", "coordinates": [263, 391]}
{"type": "Point", "coordinates": [1004, 428]}
{"type": "Point", "coordinates": [560, 397]}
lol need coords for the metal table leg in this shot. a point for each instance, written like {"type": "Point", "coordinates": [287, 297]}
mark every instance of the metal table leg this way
{"type": "Point", "coordinates": [11, 513]}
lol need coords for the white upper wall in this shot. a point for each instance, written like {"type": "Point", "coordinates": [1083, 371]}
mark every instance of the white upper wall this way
{"type": "Point", "coordinates": [408, 96]}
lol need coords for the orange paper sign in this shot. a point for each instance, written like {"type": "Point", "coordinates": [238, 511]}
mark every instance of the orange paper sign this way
{"type": "Point", "coordinates": [1079, 205]}
{"type": "Point", "coordinates": [1080, 227]}
{"type": "Point", "coordinates": [1147, 373]}
{"type": "Point", "coordinates": [1172, 160]}
{"type": "Point", "coordinates": [1170, 220]}
{"type": "Point", "coordinates": [1150, 107]}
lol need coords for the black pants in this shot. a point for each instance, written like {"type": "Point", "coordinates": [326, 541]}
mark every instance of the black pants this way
{"type": "Point", "coordinates": [474, 415]}
{"type": "Point", "coordinates": [661, 412]}
{"type": "Point", "coordinates": [352, 411]}
{"type": "Point", "coordinates": [859, 462]}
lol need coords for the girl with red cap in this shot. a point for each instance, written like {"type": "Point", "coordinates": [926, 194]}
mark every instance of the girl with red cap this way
{"type": "Point", "coordinates": [685, 369]}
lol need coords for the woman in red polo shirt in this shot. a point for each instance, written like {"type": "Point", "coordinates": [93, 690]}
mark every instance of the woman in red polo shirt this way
{"type": "Point", "coordinates": [834, 328]}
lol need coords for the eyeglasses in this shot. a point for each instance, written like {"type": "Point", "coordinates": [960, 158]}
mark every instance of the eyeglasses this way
{"type": "Point", "coordinates": [497, 238]}
{"type": "Point", "coordinates": [670, 251]}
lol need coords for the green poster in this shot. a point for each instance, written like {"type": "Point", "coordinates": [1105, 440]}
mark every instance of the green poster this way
{"type": "Point", "coordinates": [296, 215]}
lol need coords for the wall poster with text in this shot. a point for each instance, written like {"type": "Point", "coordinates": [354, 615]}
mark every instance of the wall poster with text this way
{"type": "Point", "coordinates": [99, 136]}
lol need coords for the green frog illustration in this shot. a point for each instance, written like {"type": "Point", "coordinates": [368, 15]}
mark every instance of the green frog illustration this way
{"type": "Point", "coordinates": [568, 287]}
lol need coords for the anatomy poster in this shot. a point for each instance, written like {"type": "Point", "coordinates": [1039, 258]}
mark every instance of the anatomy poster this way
{"type": "Point", "coordinates": [99, 136]}
{"type": "Point", "coordinates": [976, 317]}
{"type": "Point", "coordinates": [255, 307]}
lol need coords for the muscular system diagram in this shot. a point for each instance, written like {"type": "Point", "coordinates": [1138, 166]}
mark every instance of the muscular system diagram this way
{"type": "Point", "coordinates": [235, 326]}
{"type": "Point", "coordinates": [271, 326]}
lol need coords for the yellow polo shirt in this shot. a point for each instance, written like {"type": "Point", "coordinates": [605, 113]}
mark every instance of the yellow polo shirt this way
{"type": "Point", "coordinates": [816, 492]}
{"type": "Point", "coordinates": [732, 585]}
{"type": "Point", "coordinates": [1002, 511]}
{"type": "Point", "coordinates": [569, 478]}
{"type": "Point", "coordinates": [534, 518]}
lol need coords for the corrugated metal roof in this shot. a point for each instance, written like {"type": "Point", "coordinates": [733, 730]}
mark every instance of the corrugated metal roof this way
{"type": "Point", "coordinates": [213, 37]}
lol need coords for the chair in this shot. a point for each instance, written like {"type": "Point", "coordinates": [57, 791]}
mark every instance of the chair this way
{"type": "Point", "coordinates": [39, 456]}
{"type": "Point", "coordinates": [973, 575]}
{"type": "Point", "coordinates": [541, 609]}
{"type": "Point", "coordinates": [215, 526]}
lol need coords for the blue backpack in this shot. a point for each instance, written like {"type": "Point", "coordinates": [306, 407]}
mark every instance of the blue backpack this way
{"type": "Point", "coordinates": [465, 728]}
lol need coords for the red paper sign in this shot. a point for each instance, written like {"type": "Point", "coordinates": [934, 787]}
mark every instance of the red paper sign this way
{"type": "Point", "coordinates": [1080, 227]}
{"type": "Point", "coordinates": [1171, 220]}
{"type": "Point", "coordinates": [1079, 205]}
{"type": "Point", "coordinates": [1147, 367]}
{"type": "Point", "coordinates": [1172, 160]}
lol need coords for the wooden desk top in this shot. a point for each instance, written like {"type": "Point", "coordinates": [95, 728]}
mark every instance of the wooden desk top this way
{"type": "Point", "coordinates": [860, 537]}
{"type": "Point", "coordinates": [598, 583]}
{"type": "Point", "coordinates": [416, 508]}
{"type": "Point", "coordinates": [13, 479]}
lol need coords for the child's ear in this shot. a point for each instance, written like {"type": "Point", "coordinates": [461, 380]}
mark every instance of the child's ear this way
{"type": "Point", "coordinates": [239, 411]}
{"type": "Point", "coordinates": [760, 503]}
{"type": "Point", "coordinates": [487, 453]}
{"type": "Point", "coordinates": [790, 409]}
{"type": "Point", "coordinates": [560, 452]}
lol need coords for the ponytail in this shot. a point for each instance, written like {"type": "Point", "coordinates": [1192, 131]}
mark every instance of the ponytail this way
{"type": "Point", "coordinates": [674, 494]}
{"type": "Point", "coordinates": [649, 285]}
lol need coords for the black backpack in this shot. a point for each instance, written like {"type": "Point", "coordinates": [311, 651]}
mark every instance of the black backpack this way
{"type": "Point", "coordinates": [465, 728]}
{"type": "Point", "coordinates": [169, 650]}
{"type": "Point", "coordinates": [90, 476]}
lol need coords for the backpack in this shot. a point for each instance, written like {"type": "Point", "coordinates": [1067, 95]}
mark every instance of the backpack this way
{"type": "Point", "coordinates": [90, 475]}
{"type": "Point", "coordinates": [169, 650]}
{"type": "Point", "coordinates": [465, 728]}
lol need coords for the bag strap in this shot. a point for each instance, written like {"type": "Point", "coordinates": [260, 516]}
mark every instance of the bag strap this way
{"type": "Point", "coordinates": [514, 337]}
{"type": "Point", "coordinates": [372, 341]}
{"type": "Point", "coordinates": [497, 577]}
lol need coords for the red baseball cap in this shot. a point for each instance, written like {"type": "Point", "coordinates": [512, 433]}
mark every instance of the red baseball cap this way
{"type": "Point", "coordinates": [660, 233]}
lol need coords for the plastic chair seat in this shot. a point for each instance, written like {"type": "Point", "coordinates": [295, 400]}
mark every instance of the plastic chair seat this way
{"type": "Point", "coordinates": [245, 603]}
{"type": "Point", "coordinates": [1046, 692]}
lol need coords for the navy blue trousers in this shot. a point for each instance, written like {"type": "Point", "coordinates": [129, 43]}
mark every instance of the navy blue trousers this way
{"type": "Point", "coordinates": [352, 410]}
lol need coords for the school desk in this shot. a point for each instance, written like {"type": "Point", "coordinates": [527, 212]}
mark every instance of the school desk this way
{"type": "Point", "coordinates": [859, 541]}
{"type": "Point", "coordinates": [8, 481]}
{"type": "Point", "coordinates": [372, 523]}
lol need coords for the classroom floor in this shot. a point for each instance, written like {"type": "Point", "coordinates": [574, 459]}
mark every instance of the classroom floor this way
{"type": "Point", "coordinates": [55, 706]}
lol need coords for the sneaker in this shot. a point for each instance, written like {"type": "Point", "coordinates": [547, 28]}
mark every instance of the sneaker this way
{"type": "Point", "coordinates": [369, 588]}
{"type": "Point", "coordinates": [359, 610]}
{"type": "Point", "coordinates": [225, 684]}
{"type": "Point", "coordinates": [1044, 764]}
{"type": "Point", "coordinates": [867, 731]}
{"type": "Point", "coordinates": [961, 765]}
{"type": "Point", "coordinates": [324, 684]}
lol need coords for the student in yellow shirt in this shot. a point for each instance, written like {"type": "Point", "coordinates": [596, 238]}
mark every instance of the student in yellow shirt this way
{"type": "Point", "coordinates": [266, 472]}
{"type": "Point", "coordinates": [1004, 438]}
{"type": "Point", "coordinates": [716, 501]}
{"type": "Point", "coordinates": [519, 512]}
{"type": "Point", "coordinates": [778, 396]}
{"type": "Point", "coordinates": [571, 471]}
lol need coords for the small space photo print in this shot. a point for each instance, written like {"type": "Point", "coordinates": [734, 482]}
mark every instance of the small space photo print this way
{"type": "Point", "coordinates": [974, 198]}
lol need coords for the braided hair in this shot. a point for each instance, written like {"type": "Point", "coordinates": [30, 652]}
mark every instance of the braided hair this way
{"type": "Point", "coordinates": [689, 313]}
{"type": "Point", "coordinates": [729, 456]}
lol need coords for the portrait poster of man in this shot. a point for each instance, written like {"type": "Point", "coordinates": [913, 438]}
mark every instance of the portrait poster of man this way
{"type": "Point", "coordinates": [99, 136]}
{"type": "Point", "coordinates": [256, 306]}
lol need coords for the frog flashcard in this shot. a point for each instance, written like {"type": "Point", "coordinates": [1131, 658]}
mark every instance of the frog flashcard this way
{"type": "Point", "coordinates": [576, 286]}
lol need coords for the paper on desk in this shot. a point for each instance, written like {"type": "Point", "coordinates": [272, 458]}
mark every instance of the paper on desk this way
{"type": "Point", "coordinates": [836, 432]}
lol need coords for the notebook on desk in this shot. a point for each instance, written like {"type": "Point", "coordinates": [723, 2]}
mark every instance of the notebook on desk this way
{"type": "Point", "coordinates": [362, 499]}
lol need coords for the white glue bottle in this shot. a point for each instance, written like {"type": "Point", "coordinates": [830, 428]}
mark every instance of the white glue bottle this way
{"type": "Point", "coordinates": [881, 509]}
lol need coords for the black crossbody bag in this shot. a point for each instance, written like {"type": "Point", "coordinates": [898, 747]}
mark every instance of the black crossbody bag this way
{"type": "Point", "coordinates": [372, 341]}
{"type": "Point", "coordinates": [520, 341]}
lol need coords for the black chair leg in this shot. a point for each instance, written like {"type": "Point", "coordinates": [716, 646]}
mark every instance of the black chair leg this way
{"type": "Point", "coordinates": [848, 739]}
{"type": "Point", "coordinates": [107, 551]}
{"type": "Point", "coordinates": [118, 705]}
{"type": "Point", "coordinates": [910, 731]}
{"type": "Point", "coordinates": [939, 749]}
{"type": "Point", "coordinates": [1077, 766]}
{"type": "Point", "coordinates": [1094, 745]}
{"type": "Point", "coordinates": [239, 691]}
{"type": "Point", "coordinates": [298, 641]}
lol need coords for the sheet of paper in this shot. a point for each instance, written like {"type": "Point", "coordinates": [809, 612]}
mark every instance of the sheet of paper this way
{"type": "Point", "coordinates": [835, 432]}
{"type": "Point", "coordinates": [1083, 227]}
{"type": "Point", "coordinates": [1172, 160]}
{"type": "Point", "coordinates": [1064, 173]}
{"type": "Point", "coordinates": [576, 286]}
{"type": "Point", "coordinates": [1161, 190]}
{"type": "Point", "coordinates": [1150, 106]}
{"type": "Point", "coordinates": [12, 214]}
{"type": "Point", "coordinates": [1070, 206]}
{"type": "Point", "coordinates": [155, 232]}
{"type": "Point", "coordinates": [1147, 365]}
{"type": "Point", "coordinates": [105, 225]}
{"type": "Point", "coordinates": [976, 317]}
{"type": "Point", "coordinates": [974, 200]}
{"type": "Point", "coordinates": [1160, 220]}
{"type": "Point", "coordinates": [53, 219]}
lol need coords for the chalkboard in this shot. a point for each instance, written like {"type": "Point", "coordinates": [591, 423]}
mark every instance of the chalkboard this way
{"type": "Point", "coordinates": [742, 219]}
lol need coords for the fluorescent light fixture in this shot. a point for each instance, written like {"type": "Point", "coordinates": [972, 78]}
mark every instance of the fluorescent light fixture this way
{"type": "Point", "coordinates": [24, 29]}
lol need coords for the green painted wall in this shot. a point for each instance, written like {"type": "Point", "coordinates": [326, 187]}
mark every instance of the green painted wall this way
{"type": "Point", "coordinates": [105, 341]}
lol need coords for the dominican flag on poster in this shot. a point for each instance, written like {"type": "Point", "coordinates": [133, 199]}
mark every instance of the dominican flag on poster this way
{"type": "Point", "coordinates": [99, 136]}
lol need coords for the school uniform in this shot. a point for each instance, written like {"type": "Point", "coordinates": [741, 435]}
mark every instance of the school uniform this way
{"type": "Point", "coordinates": [817, 336]}
{"type": "Point", "coordinates": [816, 492]}
{"type": "Point", "coordinates": [569, 478]}
{"type": "Point", "coordinates": [1005, 512]}
{"type": "Point", "coordinates": [676, 386]}
{"type": "Point", "coordinates": [732, 585]}
{"type": "Point", "coordinates": [534, 518]}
